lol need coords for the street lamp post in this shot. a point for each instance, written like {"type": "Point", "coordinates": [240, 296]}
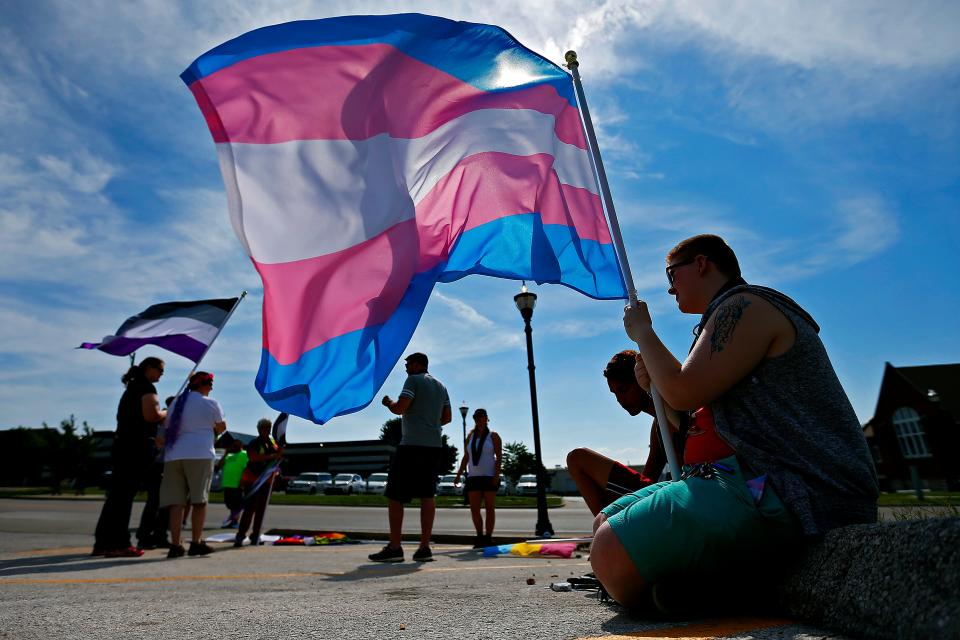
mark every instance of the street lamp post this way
{"type": "Point", "coordinates": [525, 302]}
{"type": "Point", "coordinates": [463, 414]}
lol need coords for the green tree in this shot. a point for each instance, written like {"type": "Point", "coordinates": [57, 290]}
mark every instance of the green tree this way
{"type": "Point", "coordinates": [74, 451]}
{"type": "Point", "coordinates": [390, 433]}
{"type": "Point", "coordinates": [27, 454]}
{"type": "Point", "coordinates": [517, 460]}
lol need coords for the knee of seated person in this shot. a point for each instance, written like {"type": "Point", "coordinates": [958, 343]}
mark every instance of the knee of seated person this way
{"type": "Point", "coordinates": [575, 457]}
{"type": "Point", "coordinates": [599, 520]}
{"type": "Point", "coordinates": [615, 570]}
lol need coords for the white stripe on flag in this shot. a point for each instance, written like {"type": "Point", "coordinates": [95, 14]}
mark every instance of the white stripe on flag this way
{"type": "Point", "coordinates": [200, 331]}
{"type": "Point", "coordinates": [334, 194]}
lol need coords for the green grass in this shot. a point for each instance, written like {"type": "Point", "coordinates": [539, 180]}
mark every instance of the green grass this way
{"type": "Point", "coordinates": [216, 497]}
{"type": "Point", "coordinates": [930, 498]}
{"type": "Point", "coordinates": [26, 492]}
{"type": "Point", "coordinates": [503, 502]}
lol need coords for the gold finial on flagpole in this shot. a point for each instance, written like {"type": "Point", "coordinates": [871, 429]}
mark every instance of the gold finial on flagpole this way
{"type": "Point", "coordinates": [571, 58]}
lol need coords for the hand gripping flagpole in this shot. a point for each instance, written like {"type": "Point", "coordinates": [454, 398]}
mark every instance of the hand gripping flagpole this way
{"type": "Point", "coordinates": [597, 162]}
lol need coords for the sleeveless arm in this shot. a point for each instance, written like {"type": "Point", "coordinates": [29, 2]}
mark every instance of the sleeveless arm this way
{"type": "Point", "coordinates": [735, 340]}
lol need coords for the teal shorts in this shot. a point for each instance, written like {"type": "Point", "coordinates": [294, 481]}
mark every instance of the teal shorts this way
{"type": "Point", "coordinates": [704, 525]}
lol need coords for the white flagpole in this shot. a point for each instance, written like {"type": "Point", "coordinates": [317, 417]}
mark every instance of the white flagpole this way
{"type": "Point", "coordinates": [597, 161]}
{"type": "Point", "coordinates": [236, 304]}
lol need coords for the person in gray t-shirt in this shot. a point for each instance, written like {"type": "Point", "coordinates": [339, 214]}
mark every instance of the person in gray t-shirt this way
{"type": "Point", "coordinates": [424, 407]}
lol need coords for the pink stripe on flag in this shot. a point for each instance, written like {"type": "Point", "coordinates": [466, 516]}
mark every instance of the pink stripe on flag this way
{"type": "Point", "coordinates": [362, 285]}
{"type": "Point", "coordinates": [366, 90]}
{"type": "Point", "coordinates": [307, 302]}
{"type": "Point", "coordinates": [523, 184]}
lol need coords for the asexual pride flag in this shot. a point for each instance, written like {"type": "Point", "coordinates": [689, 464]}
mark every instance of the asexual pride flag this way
{"type": "Point", "coordinates": [367, 158]}
{"type": "Point", "coordinates": [185, 328]}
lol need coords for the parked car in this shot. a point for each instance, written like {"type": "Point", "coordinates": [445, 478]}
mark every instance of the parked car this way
{"type": "Point", "coordinates": [312, 482]}
{"type": "Point", "coordinates": [446, 487]}
{"type": "Point", "coordinates": [505, 487]}
{"type": "Point", "coordinates": [377, 483]}
{"type": "Point", "coordinates": [526, 485]}
{"type": "Point", "coordinates": [348, 483]}
{"type": "Point", "coordinates": [280, 483]}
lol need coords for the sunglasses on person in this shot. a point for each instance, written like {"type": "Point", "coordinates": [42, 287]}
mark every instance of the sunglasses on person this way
{"type": "Point", "coordinates": [676, 266]}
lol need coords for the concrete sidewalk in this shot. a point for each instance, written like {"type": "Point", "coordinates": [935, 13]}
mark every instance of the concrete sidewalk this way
{"type": "Point", "coordinates": [324, 592]}
{"type": "Point", "coordinates": [892, 580]}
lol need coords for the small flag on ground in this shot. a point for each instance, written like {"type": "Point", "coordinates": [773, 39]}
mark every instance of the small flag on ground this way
{"type": "Point", "coordinates": [185, 328]}
{"type": "Point", "coordinates": [367, 158]}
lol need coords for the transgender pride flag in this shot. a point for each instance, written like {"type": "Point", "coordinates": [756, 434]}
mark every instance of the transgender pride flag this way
{"type": "Point", "coordinates": [367, 158]}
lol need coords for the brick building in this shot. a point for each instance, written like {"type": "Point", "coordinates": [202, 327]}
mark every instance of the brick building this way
{"type": "Point", "coordinates": [915, 429]}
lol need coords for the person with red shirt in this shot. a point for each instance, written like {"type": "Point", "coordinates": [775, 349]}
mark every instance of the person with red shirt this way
{"type": "Point", "coordinates": [601, 480]}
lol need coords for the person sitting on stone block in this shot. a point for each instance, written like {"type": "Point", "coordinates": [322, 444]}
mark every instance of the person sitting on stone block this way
{"type": "Point", "coordinates": [774, 454]}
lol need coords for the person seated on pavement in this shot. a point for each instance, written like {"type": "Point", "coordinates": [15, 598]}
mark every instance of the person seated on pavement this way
{"type": "Point", "coordinates": [601, 480]}
{"type": "Point", "coordinates": [774, 455]}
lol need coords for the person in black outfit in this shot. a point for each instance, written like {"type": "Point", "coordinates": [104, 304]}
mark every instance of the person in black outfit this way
{"type": "Point", "coordinates": [152, 532]}
{"type": "Point", "coordinates": [134, 450]}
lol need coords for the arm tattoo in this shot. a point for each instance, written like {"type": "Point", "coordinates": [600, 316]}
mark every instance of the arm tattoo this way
{"type": "Point", "coordinates": [727, 317]}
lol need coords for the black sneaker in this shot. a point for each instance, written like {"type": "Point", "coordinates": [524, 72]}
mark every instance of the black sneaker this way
{"type": "Point", "coordinates": [423, 554]}
{"type": "Point", "coordinates": [176, 551]}
{"type": "Point", "coordinates": [673, 601]}
{"type": "Point", "coordinates": [388, 555]}
{"type": "Point", "coordinates": [478, 542]}
{"type": "Point", "coordinates": [238, 542]}
{"type": "Point", "coordinates": [199, 549]}
{"type": "Point", "coordinates": [254, 541]}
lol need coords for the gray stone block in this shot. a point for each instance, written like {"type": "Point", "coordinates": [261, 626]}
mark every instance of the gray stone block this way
{"type": "Point", "coordinates": [891, 580]}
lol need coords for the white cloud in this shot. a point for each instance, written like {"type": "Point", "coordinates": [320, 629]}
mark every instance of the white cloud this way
{"type": "Point", "coordinates": [83, 172]}
{"type": "Point", "coordinates": [581, 327]}
{"type": "Point", "coordinates": [867, 226]}
{"type": "Point", "coordinates": [884, 34]}
{"type": "Point", "coordinates": [856, 229]}
{"type": "Point", "coordinates": [464, 312]}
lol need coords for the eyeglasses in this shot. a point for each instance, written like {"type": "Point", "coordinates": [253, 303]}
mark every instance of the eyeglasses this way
{"type": "Point", "coordinates": [676, 266]}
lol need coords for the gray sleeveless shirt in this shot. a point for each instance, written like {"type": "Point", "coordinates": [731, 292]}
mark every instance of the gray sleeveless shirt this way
{"type": "Point", "coordinates": [790, 418]}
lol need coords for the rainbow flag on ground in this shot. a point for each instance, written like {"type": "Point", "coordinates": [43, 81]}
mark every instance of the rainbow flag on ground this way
{"type": "Point", "coordinates": [528, 549]}
{"type": "Point", "coordinates": [367, 158]}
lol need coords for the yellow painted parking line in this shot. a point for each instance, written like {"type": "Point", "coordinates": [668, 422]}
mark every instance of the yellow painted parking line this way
{"type": "Point", "coordinates": [50, 551]}
{"type": "Point", "coordinates": [298, 574]}
{"type": "Point", "coordinates": [386, 571]}
{"type": "Point", "coordinates": [708, 630]}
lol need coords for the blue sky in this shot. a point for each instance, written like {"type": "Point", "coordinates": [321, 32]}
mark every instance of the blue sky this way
{"type": "Point", "coordinates": [822, 140]}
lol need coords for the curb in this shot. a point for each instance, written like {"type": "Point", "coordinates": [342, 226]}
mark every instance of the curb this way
{"type": "Point", "coordinates": [437, 538]}
{"type": "Point", "coordinates": [897, 580]}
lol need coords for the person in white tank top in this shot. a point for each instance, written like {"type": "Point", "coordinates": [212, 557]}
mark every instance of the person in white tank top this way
{"type": "Point", "coordinates": [482, 459]}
